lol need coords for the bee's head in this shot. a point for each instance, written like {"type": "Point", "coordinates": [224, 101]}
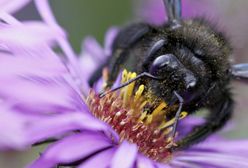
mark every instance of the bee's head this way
{"type": "Point", "coordinates": [168, 67]}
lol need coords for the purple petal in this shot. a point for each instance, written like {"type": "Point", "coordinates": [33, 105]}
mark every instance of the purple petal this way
{"type": "Point", "coordinates": [12, 6]}
{"type": "Point", "coordinates": [26, 34]}
{"type": "Point", "coordinates": [88, 66]}
{"type": "Point", "coordinates": [215, 152]}
{"type": "Point", "coordinates": [100, 160]}
{"type": "Point", "coordinates": [14, 135]}
{"type": "Point", "coordinates": [177, 163]}
{"type": "Point", "coordinates": [187, 124]}
{"type": "Point", "coordinates": [46, 12]}
{"type": "Point", "coordinates": [48, 17]}
{"type": "Point", "coordinates": [31, 63]}
{"type": "Point", "coordinates": [93, 48]}
{"type": "Point", "coordinates": [125, 156]}
{"type": "Point", "coordinates": [39, 81]}
{"type": "Point", "coordinates": [144, 162]}
{"type": "Point", "coordinates": [72, 148]}
{"type": "Point", "coordinates": [9, 19]}
{"type": "Point", "coordinates": [239, 147]}
{"type": "Point", "coordinates": [93, 55]}
{"type": "Point", "coordinates": [152, 11]}
{"type": "Point", "coordinates": [25, 129]}
{"type": "Point", "coordinates": [214, 159]}
{"type": "Point", "coordinates": [160, 165]}
{"type": "Point", "coordinates": [47, 127]}
{"type": "Point", "coordinates": [42, 95]}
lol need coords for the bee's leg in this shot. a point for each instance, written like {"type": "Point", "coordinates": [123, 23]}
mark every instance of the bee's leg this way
{"type": "Point", "coordinates": [125, 39]}
{"type": "Point", "coordinates": [219, 115]}
{"type": "Point", "coordinates": [177, 117]}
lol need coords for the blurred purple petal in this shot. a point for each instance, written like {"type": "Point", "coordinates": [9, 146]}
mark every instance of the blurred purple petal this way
{"type": "Point", "coordinates": [161, 165]}
{"type": "Point", "coordinates": [26, 34]}
{"type": "Point", "coordinates": [14, 135]}
{"type": "Point", "coordinates": [154, 12]}
{"type": "Point", "coordinates": [93, 48]}
{"type": "Point", "coordinates": [46, 12]}
{"type": "Point", "coordinates": [234, 147]}
{"type": "Point", "coordinates": [88, 65]}
{"type": "Point", "coordinates": [178, 163]}
{"type": "Point", "coordinates": [217, 153]}
{"type": "Point", "coordinates": [55, 125]}
{"type": "Point", "coordinates": [48, 65]}
{"type": "Point", "coordinates": [32, 76]}
{"type": "Point", "coordinates": [48, 17]}
{"type": "Point", "coordinates": [72, 148]}
{"type": "Point", "coordinates": [93, 55]}
{"type": "Point", "coordinates": [125, 156]}
{"type": "Point", "coordinates": [35, 95]}
{"type": "Point", "coordinates": [12, 6]}
{"type": "Point", "coordinates": [214, 159]}
{"type": "Point", "coordinates": [109, 39]}
{"type": "Point", "coordinates": [62, 42]}
{"type": "Point", "coordinates": [25, 130]}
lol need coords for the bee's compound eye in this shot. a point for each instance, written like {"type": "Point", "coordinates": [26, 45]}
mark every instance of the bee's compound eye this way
{"type": "Point", "coordinates": [163, 62]}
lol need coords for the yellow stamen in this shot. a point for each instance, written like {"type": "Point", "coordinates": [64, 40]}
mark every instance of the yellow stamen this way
{"type": "Point", "coordinates": [157, 110]}
{"type": "Point", "coordinates": [171, 122]}
{"type": "Point", "coordinates": [149, 119]}
{"type": "Point", "coordinates": [143, 116]}
{"type": "Point", "coordinates": [128, 90]}
{"type": "Point", "coordinates": [124, 76]}
{"type": "Point", "coordinates": [139, 92]}
{"type": "Point", "coordinates": [139, 116]}
{"type": "Point", "coordinates": [130, 86]}
{"type": "Point", "coordinates": [167, 131]}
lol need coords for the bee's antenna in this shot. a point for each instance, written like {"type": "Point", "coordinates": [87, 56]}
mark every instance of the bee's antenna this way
{"type": "Point", "coordinates": [174, 10]}
{"type": "Point", "coordinates": [144, 74]}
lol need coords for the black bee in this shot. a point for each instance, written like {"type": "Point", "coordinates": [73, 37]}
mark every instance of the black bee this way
{"type": "Point", "coordinates": [183, 61]}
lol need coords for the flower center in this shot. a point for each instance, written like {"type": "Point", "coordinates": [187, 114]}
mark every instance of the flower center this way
{"type": "Point", "coordinates": [137, 116]}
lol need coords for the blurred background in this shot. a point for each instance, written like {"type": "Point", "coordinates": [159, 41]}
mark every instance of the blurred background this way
{"type": "Point", "coordinates": [81, 18]}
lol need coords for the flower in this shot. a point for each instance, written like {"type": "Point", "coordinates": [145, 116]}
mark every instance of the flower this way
{"type": "Point", "coordinates": [45, 93]}
{"type": "Point", "coordinates": [136, 140]}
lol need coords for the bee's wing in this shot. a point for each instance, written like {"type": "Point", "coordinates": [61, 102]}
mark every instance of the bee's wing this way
{"type": "Point", "coordinates": [240, 71]}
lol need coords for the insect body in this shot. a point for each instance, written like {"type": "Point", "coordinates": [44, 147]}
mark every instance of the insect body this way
{"type": "Point", "coordinates": [182, 61]}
